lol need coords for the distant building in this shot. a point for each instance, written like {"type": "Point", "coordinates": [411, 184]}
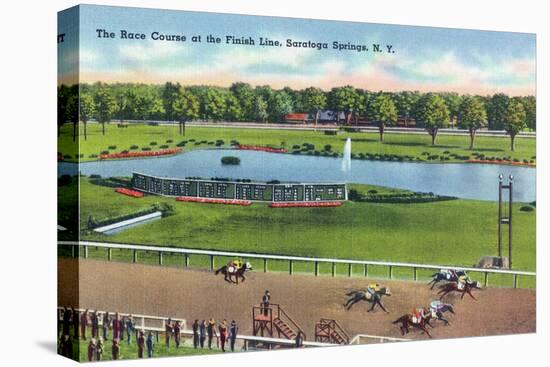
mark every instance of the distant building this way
{"type": "Point", "coordinates": [301, 118]}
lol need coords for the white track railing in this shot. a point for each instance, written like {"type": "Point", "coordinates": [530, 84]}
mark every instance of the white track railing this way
{"type": "Point", "coordinates": [186, 252]}
{"type": "Point", "coordinates": [381, 339]}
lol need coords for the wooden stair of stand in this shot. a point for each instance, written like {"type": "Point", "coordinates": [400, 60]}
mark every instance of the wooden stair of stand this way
{"type": "Point", "coordinates": [328, 330]}
{"type": "Point", "coordinates": [284, 329]}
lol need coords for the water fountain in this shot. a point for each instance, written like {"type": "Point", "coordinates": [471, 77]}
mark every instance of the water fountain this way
{"type": "Point", "coordinates": [346, 160]}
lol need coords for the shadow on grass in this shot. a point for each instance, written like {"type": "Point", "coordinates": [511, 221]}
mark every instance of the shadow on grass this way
{"type": "Point", "coordinates": [486, 150]}
{"type": "Point", "coordinates": [407, 144]}
{"type": "Point", "coordinates": [364, 140]}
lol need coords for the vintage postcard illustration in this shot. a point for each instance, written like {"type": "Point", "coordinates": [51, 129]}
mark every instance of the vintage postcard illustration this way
{"type": "Point", "coordinates": [232, 183]}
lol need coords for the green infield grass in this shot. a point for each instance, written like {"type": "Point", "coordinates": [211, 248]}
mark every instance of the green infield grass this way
{"type": "Point", "coordinates": [456, 232]}
{"type": "Point", "coordinates": [406, 146]}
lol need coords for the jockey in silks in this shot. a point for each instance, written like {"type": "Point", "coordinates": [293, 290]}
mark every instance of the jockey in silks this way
{"type": "Point", "coordinates": [234, 265]}
{"type": "Point", "coordinates": [449, 273]}
{"type": "Point", "coordinates": [434, 307]}
{"type": "Point", "coordinates": [419, 314]}
{"type": "Point", "coordinates": [462, 281]}
{"type": "Point", "coordinates": [372, 289]}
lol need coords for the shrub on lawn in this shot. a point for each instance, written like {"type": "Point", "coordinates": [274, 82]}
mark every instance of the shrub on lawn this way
{"type": "Point", "coordinates": [112, 147]}
{"type": "Point", "coordinates": [145, 149]}
{"type": "Point", "coordinates": [104, 152]}
{"type": "Point", "coordinates": [169, 141]}
{"type": "Point", "coordinates": [526, 208]}
{"type": "Point", "coordinates": [153, 143]}
{"type": "Point", "coordinates": [353, 194]}
{"type": "Point", "coordinates": [164, 146]}
{"type": "Point", "coordinates": [134, 147]}
{"type": "Point", "coordinates": [231, 160]}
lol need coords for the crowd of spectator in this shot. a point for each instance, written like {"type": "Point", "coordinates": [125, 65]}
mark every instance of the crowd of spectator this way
{"type": "Point", "coordinates": [101, 327]}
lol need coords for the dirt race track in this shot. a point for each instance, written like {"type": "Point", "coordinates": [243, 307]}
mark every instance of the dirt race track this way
{"type": "Point", "coordinates": [197, 294]}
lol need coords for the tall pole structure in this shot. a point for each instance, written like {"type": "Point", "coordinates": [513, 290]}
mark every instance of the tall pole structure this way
{"type": "Point", "coordinates": [500, 215]}
{"type": "Point", "coordinates": [510, 186]}
{"type": "Point", "coordinates": [502, 219]}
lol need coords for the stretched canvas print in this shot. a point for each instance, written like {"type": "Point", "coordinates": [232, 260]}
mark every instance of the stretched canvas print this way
{"type": "Point", "coordinates": [233, 183]}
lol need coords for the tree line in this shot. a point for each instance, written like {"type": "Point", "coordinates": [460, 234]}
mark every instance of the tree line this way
{"type": "Point", "coordinates": [243, 102]}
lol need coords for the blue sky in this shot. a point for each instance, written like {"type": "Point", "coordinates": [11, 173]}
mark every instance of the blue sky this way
{"type": "Point", "coordinates": [425, 59]}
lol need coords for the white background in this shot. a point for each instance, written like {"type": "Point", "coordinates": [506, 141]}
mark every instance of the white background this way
{"type": "Point", "coordinates": [28, 180]}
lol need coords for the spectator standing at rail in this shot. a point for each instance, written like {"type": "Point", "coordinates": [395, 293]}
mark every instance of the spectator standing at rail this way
{"type": "Point", "coordinates": [94, 321]}
{"type": "Point", "coordinates": [105, 324]}
{"type": "Point", "coordinates": [233, 330]}
{"type": "Point", "coordinates": [168, 329]}
{"type": "Point", "coordinates": [196, 334]}
{"type": "Point", "coordinates": [202, 333]}
{"type": "Point", "coordinates": [177, 334]}
{"type": "Point", "coordinates": [83, 324]}
{"type": "Point", "coordinates": [75, 315]}
{"type": "Point", "coordinates": [116, 326]}
{"type": "Point", "coordinates": [150, 344]}
{"type": "Point", "coordinates": [115, 350]}
{"type": "Point", "coordinates": [91, 350]}
{"type": "Point", "coordinates": [99, 349]}
{"type": "Point", "coordinates": [140, 344]}
{"type": "Point", "coordinates": [210, 330]}
{"type": "Point", "coordinates": [66, 346]}
{"type": "Point", "coordinates": [129, 328]}
{"type": "Point", "coordinates": [222, 328]}
{"type": "Point", "coordinates": [65, 321]}
{"type": "Point", "coordinates": [265, 301]}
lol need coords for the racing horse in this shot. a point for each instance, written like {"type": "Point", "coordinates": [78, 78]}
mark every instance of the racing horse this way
{"type": "Point", "coordinates": [466, 287]}
{"type": "Point", "coordinates": [437, 309]}
{"type": "Point", "coordinates": [410, 320]}
{"type": "Point", "coordinates": [446, 275]}
{"type": "Point", "coordinates": [230, 271]}
{"type": "Point", "coordinates": [374, 298]}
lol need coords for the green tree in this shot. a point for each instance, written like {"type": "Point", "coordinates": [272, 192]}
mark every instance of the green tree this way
{"type": "Point", "coordinates": [260, 109]}
{"type": "Point", "coordinates": [120, 95]}
{"type": "Point", "coordinates": [530, 105]}
{"type": "Point", "coordinates": [233, 109]}
{"type": "Point", "coordinates": [185, 108]}
{"type": "Point", "coordinates": [314, 100]}
{"type": "Point", "coordinates": [405, 102]}
{"type": "Point", "coordinates": [514, 120]}
{"type": "Point", "coordinates": [246, 98]}
{"type": "Point", "coordinates": [104, 106]}
{"type": "Point", "coordinates": [472, 116]}
{"type": "Point", "coordinates": [215, 104]}
{"type": "Point", "coordinates": [453, 102]}
{"type": "Point", "coordinates": [432, 114]}
{"type": "Point", "coordinates": [86, 110]}
{"type": "Point", "coordinates": [67, 107]}
{"type": "Point", "coordinates": [383, 111]}
{"type": "Point", "coordinates": [496, 111]}
{"type": "Point", "coordinates": [170, 94]}
{"type": "Point", "coordinates": [279, 105]}
{"type": "Point", "coordinates": [343, 99]}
